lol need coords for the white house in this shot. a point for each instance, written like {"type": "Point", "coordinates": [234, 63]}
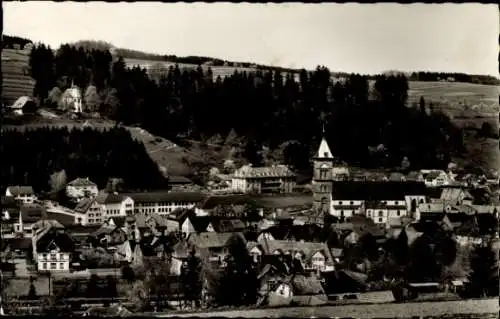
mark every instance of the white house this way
{"type": "Point", "coordinates": [273, 179]}
{"type": "Point", "coordinates": [52, 249]}
{"type": "Point", "coordinates": [436, 178]}
{"type": "Point", "coordinates": [23, 193]}
{"type": "Point", "coordinates": [114, 204]}
{"type": "Point", "coordinates": [91, 212]}
{"type": "Point", "coordinates": [81, 187]}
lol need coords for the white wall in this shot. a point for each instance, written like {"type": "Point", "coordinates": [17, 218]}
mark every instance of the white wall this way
{"type": "Point", "coordinates": [79, 191]}
{"type": "Point", "coordinates": [161, 208]}
{"type": "Point", "coordinates": [53, 261]}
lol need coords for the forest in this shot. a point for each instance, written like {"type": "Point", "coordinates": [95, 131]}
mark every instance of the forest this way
{"type": "Point", "coordinates": [32, 156]}
{"type": "Point", "coordinates": [368, 126]}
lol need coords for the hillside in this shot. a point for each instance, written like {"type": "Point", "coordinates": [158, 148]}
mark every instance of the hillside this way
{"type": "Point", "coordinates": [15, 75]}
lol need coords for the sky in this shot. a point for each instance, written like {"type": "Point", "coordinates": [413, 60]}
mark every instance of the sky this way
{"type": "Point", "coordinates": [361, 38]}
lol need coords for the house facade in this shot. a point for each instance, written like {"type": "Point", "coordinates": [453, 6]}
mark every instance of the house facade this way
{"type": "Point", "coordinates": [80, 188]}
{"type": "Point", "coordinates": [52, 249]}
{"type": "Point", "coordinates": [265, 180]}
{"type": "Point", "coordinates": [24, 194]}
{"type": "Point", "coordinates": [91, 212]}
{"type": "Point", "coordinates": [436, 178]}
{"type": "Point", "coordinates": [115, 205]}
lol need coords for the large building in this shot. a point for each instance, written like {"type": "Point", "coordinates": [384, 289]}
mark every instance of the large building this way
{"type": "Point", "coordinates": [334, 194]}
{"type": "Point", "coordinates": [263, 180]}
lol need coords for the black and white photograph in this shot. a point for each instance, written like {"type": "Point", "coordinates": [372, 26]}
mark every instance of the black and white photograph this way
{"type": "Point", "coordinates": [283, 160]}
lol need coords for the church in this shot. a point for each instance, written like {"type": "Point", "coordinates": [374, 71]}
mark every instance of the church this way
{"type": "Point", "coordinates": [336, 194]}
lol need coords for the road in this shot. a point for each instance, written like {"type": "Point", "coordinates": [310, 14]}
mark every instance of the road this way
{"type": "Point", "coordinates": [393, 310]}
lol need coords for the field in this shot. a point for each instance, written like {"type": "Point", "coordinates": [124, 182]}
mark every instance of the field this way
{"type": "Point", "coordinates": [484, 308]}
{"type": "Point", "coordinates": [16, 82]}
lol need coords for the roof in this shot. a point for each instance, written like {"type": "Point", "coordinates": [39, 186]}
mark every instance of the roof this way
{"type": "Point", "coordinates": [432, 175]}
{"type": "Point", "coordinates": [51, 236]}
{"type": "Point", "coordinates": [10, 202]}
{"type": "Point", "coordinates": [47, 223]}
{"type": "Point", "coordinates": [212, 239]}
{"type": "Point", "coordinates": [454, 193]}
{"type": "Point", "coordinates": [227, 225]}
{"type": "Point", "coordinates": [20, 190]}
{"type": "Point", "coordinates": [263, 172]}
{"type": "Point", "coordinates": [109, 198]}
{"type": "Point", "coordinates": [19, 243]}
{"type": "Point", "coordinates": [76, 230]}
{"type": "Point", "coordinates": [31, 213]}
{"type": "Point", "coordinates": [178, 180]}
{"type": "Point", "coordinates": [84, 205]}
{"type": "Point", "coordinates": [324, 150]}
{"type": "Point", "coordinates": [20, 102]}
{"type": "Point", "coordinates": [214, 201]}
{"type": "Point", "coordinates": [63, 219]}
{"type": "Point", "coordinates": [303, 285]}
{"type": "Point", "coordinates": [143, 220]}
{"type": "Point", "coordinates": [308, 249]}
{"type": "Point", "coordinates": [82, 182]}
{"type": "Point", "coordinates": [164, 196]}
{"type": "Point", "coordinates": [377, 190]}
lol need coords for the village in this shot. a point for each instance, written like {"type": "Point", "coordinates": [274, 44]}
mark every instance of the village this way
{"type": "Point", "coordinates": [318, 246]}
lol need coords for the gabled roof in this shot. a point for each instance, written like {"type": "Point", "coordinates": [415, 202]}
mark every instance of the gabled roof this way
{"type": "Point", "coordinates": [227, 225]}
{"type": "Point", "coordinates": [179, 180]}
{"type": "Point", "coordinates": [165, 196]}
{"type": "Point", "coordinates": [377, 190]}
{"type": "Point", "coordinates": [82, 182]}
{"type": "Point", "coordinates": [324, 150]}
{"type": "Point", "coordinates": [10, 202]}
{"type": "Point", "coordinates": [43, 223]}
{"type": "Point", "coordinates": [263, 172]}
{"type": "Point", "coordinates": [31, 213]}
{"type": "Point", "coordinates": [52, 236]}
{"type": "Point", "coordinates": [84, 205]}
{"type": "Point", "coordinates": [63, 219]}
{"type": "Point", "coordinates": [109, 198]}
{"type": "Point", "coordinates": [20, 190]}
{"type": "Point", "coordinates": [307, 249]}
{"type": "Point", "coordinates": [212, 239]}
{"type": "Point", "coordinates": [214, 201]}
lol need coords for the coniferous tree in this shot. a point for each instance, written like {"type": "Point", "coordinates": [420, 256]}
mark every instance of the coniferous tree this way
{"type": "Point", "coordinates": [483, 278]}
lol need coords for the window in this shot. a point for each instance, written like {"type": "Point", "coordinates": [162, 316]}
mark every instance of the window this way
{"type": "Point", "coordinates": [341, 213]}
{"type": "Point", "coordinates": [380, 220]}
{"type": "Point", "coordinates": [398, 213]}
{"type": "Point", "coordinates": [352, 203]}
{"type": "Point", "coordinates": [61, 265]}
{"type": "Point", "coordinates": [44, 265]}
{"type": "Point", "coordinates": [381, 213]}
{"type": "Point", "coordinates": [44, 256]}
{"type": "Point", "coordinates": [53, 266]}
{"type": "Point", "coordinates": [340, 203]}
{"type": "Point", "coordinates": [53, 256]}
{"type": "Point", "coordinates": [61, 256]}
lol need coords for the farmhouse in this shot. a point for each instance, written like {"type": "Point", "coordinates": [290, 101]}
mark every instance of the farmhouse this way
{"type": "Point", "coordinates": [52, 249]}
{"type": "Point", "coordinates": [274, 179]}
{"type": "Point", "coordinates": [81, 187]}
{"type": "Point", "coordinates": [23, 193]}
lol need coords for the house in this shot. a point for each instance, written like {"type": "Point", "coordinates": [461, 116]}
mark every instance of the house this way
{"type": "Point", "coordinates": [381, 212]}
{"type": "Point", "coordinates": [213, 247]}
{"type": "Point", "coordinates": [23, 193]}
{"type": "Point", "coordinates": [114, 204]}
{"type": "Point", "coordinates": [224, 205]}
{"type": "Point", "coordinates": [348, 198]}
{"type": "Point", "coordinates": [80, 188]}
{"type": "Point", "coordinates": [164, 203]}
{"type": "Point", "coordinates": [179, 182]}
{"type": "Point", "coordinates": [52, 249]}
{"type": "Point", "coordinates": [312, 256]}
{"type": "Point", "coordinates": [91, 211]}
{"type": "Point", "coordinates": [456, 196]}
{"type": "Point", "coordinates": [108, 235]}
{"type": "Point", "coordinates": [435, 178]}
{"type": "Point", "coordinates": [274, 179]}
{"type": "Point", "coordinates": [225, 225]}
{"type": "Point", "coordinates": [72, 99]}
{"type": "Point", "coordinates": [29, 214]}
{"type": "Point", "coordinates": [297, 289]}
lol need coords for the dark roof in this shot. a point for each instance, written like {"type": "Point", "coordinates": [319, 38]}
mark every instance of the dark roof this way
{"type": "Point", "coordinates": [214, 201]}
{"type": "Point", "coordinates": [164, 196]}
{"type": "Point", "coordinates": [109, 198]}
{"type": "Point", "coordinates": [227, 225]}
{"type": "Point", "coordinates": [212, 239]}
{"type": "Point", "coordinates": [21, 190]}
{"type": "Point", "coordinates": [64, 219]}
{"type": "Point", "coordinates": [84, 205]}
{"type": "Point", "coordinates": [9, 202]}
{"type": "Point", "coordinates": [80, 230]}
{"type": "Point", "coordinates": [19, 243]}
{"type": "Point", "coordinates": [31, 213]}
{"type": "Point", "coordinates": [178, 180]}
{"type": "Point", "coordinates": [82, 182]}
{"type": "Point", "coordinates": [52, 236]}
{"type": "Point", "coordinates": [388, 190]}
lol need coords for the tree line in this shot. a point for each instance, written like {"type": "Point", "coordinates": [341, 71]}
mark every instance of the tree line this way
{"type": "Point", "coordinates": [454, 77]}
{"type": "Point", "coordinates": [266, 108]}
{"type": "Point", "coordinates": [31, 157]}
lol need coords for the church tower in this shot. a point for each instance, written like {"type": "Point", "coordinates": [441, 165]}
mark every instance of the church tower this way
{"type": "Point", "coordinates": [322, 182]}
